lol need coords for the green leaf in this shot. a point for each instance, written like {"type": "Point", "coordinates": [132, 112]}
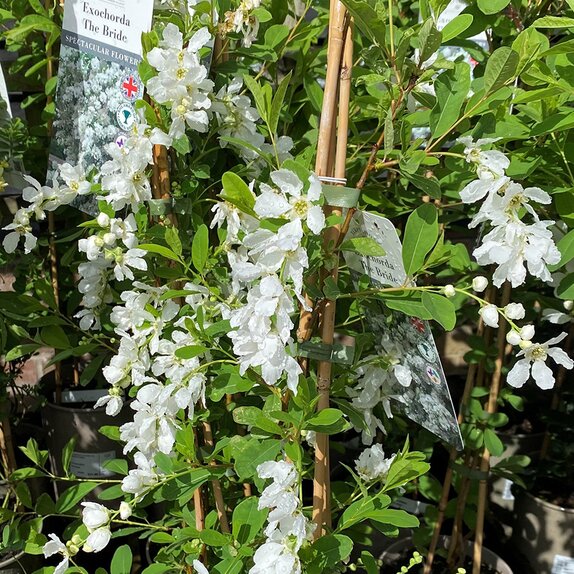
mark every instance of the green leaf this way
{"type": "Point", "coordinates": [492, 6]}
{"type": "Point", "coordinates": [364, 246]}
{"type": "Point", "coordinates": [456, 27]}
{"type": "Point", "coordinates": [421, 234]}
{"type": "Point", "coordinates": [259, 97]}
{"type": "Point", "coordinates": [278, 101]}
{"type": "Point", "coordinates": [200, 247]}
{"type": "Point", "coordinates": [254, 454]}
{"type": "Point", "coordinates": [558, 122]}
{"type": "Point", "coordinates": [362, 509]}
{"type": "Point", "coordinates": [429, 40]}
{"type": "Point", "coordinates": [173, 240]}
{"type": "Point", "coordinates": [451, 89]}
{"type": "Point", "coordinates": [368, 20]}
{"type": "Point", "coordinates": [54, 336]}
{"type": "Point", "coordinates": [553, 22]}
{"type": "Point", "coordinates": [21, 350]}
{"type": "Point", "coordinates": [493, 443]}
{"type": "Point", "coordinates": [213, 538]}
{"type": "Point", "coordinates": [441, 309]}
{"type": "Point", "coordinates": [405, 469]}
{"type": "Point", "coordinates": [566, 248]}
{"type": "Point", "coordinates": [331, 550]}
{"type": "Point", "coordinates": [500, 69]}
{"type": "Point", "coordinates": [160, 250]}
{"type": "Point", "coordinates": [236, 191]}
{"type": "Point", "coordinates": [190, 352]}
{"type": "Point", "coordinates": [70, 498]}
{"type": "Point", "coordinates": [67, 453]}
{"type": "Point", "coordinates": [408, 302]}
{"type": "Point", "coordinates": [369, 563]}
{"type": "Point", "coordinates": [323, 419]}
{"type": "Point", "coordinates": [122, 560]}
{"type": "Point", "coordinates": [247, 520]}
{"type": "Point", "coordinates": [429, 185]}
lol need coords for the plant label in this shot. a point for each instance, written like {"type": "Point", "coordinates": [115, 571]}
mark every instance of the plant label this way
{"type": "Point", "coordinates": [563, 565]}
{"type": "Point", "coordinates": [427, 399]}
{"type": "Point", "coordinates": [98, 81]}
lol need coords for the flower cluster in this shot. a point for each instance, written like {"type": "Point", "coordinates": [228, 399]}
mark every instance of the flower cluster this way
{"type": "Point", "coordinates": [267, 270]}
{"type": "Point", "coordinates": [377, 377]}
{"type": "Point", "coordinates": [242, 21]}
{"type": "Point", "coordinates": [287, 527]}
{"type": "Point", "coordinates": [372, 464]}
{"type": "Point", "coordinates": [512, 244]}
{"type": "Point", "coordinates": [43, 198]}
{"type": "Point", "coordinates": [181, 82]}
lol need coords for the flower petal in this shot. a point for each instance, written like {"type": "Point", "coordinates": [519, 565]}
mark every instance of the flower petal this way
{"type": "Point", "coordinates": [519, 374]}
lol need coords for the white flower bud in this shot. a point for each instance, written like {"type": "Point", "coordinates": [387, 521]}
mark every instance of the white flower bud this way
{"type": "Point", "coordinates": [515, 311]}
{"type": "Point", "coordinates": [449, 291]}
{"type": "Point", "coordinates": [524, 344]}
{"type": "Point", "coordinates": [527, 332]}
{"type": "Point", "coordinates": [489, 314]}
{"type": "Point", "coordinates": [103, 220]}
{"type": "Point", "coordinates": [109, 239]}
{"type": "Point", "coordinates": [513, 338]}
{"type": "Point", "coordinates": [568, 305]}
{"type": "Point", "coordinates": [479, 284]}
{"type": "Point", "coordinates": [125, 510]}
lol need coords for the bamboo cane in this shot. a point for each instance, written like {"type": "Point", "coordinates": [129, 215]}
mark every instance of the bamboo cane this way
{"type": "Point", "coordinates": [471, 377]}
{"type": "Point", "coordinates": [485, 462]}
{"type": "Point", "coordinates": [337, 36]}
{"type": "Point", "coordinates": [52, 251]}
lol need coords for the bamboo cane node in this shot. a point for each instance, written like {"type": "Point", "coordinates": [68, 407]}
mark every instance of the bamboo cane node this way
{"type": "Point", "coordinates": [323, 383]}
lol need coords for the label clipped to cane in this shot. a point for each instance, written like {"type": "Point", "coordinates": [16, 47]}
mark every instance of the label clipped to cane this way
{"type": "Point", "coordinates": [563, 565]}
{"type": "Point", "coordinates": [98, 82]}
{"type": "Point", "coordinates": [427, 399]}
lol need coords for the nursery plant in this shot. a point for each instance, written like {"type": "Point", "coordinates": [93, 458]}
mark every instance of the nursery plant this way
{"type": "Point", "coordinates": [214, 290]}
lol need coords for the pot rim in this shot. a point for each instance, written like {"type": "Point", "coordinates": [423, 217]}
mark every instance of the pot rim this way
{"type": "Point", "coordinates": [13, 560]}
{"type": "Point", "coordinates": [543, 502]}
{"type": "Point", "coordinates": [61, 408]}
{"type": "Point", "coordinates": [486, 552]}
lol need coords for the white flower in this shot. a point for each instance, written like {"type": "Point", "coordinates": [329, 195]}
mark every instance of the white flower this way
{"type": "Point", "coordinates": [514, 245]}
{"type": "Point", "coordinates": [199, 567]}
{"type": "Point", "coordinates": [527, 332]}
{"type": "Point", "coordinates": [534, 364]}
{"type": "Point", "coordinates": [513, 338]}
{"type": "Point", "coordinates": [515, 311]}
{"type": "Point", "coordinates": [286, 200]}
{"type": "Point", "coordinates": [479, 283]}
{"type": "Point", "coordinates": [489, 314]}
{"type": "Point", "coordinates": [490, 164]}
{"type": "Point", "coordinates": [98, 540]}
{"type": "Point", "coordinates": [372, 464]}
{"type": "Point", "coordinates": [95, 515]}
{"type": "Point", "coordinates": [20, 227]}
{"type": "Point", "coordinates": [125, 261]}
{"type": "Point", "coordinates": [275, 558]}
{"type": "Point", "coordinates": [75, 179]}
{"type": "Point", "coordinates": [125, 510]}
{"type": "Point", "coordinates": [556, 317]}
{"type": "Point", "coordinates": [449, 291]}
{"type": "Point", "coordinates": [141, 479]}
{"type": "Point", "coordinates": [56, 546]}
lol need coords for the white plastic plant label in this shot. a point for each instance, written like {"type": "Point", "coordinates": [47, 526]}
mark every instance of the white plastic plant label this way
{"type": "Point", "coordinates": [562, 565]}
{"type": "Point", "coordinates": [98, 81]}
{"type": "Point", "coordinates": [507, 490]}
{"type": "Point", "coordinates": [427, 399]}
{"type": "Point", "coordinates": [91, 464]}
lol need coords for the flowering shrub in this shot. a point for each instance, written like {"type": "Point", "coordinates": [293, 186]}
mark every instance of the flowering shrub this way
{"type": "Point", "coordinates": [196, 314]}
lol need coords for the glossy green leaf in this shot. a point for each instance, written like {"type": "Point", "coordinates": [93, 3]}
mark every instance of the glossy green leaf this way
{"type": "Point", "coordinates": [421, 234]}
